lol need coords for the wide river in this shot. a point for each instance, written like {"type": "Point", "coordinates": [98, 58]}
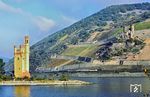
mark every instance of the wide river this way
{"type": "Point", "coordinates": [104, 87]}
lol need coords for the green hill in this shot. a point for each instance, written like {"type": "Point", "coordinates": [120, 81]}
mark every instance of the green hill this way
{"type": "Point", "coordinates": [108, 22]}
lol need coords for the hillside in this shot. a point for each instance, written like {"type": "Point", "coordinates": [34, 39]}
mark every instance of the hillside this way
{"type": "Point", "coordinates": [106, 23]}
{"type": "Point", "coordinates": [142, 55]}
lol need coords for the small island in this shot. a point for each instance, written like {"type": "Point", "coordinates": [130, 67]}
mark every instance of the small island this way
{"type": "Point", "coordinates": [43, 82]}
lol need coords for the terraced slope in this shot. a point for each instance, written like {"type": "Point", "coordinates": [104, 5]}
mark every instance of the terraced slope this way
{"type": "Point", "coordinates": [80, 50]}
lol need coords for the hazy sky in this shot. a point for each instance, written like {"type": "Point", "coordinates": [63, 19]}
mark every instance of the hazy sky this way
{"type": "Point", "coordinates": [39, 18]}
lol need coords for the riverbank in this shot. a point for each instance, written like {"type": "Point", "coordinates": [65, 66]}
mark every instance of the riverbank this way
{"type": "Point", "coordinates": [43, 82]}
{"type": "Point", "coordinates": [92, 74]}
{"type": "Point", "coordinates": [103, 75]}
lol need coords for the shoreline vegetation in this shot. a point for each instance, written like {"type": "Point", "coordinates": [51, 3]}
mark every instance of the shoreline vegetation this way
{"type": "Point", "coordinates": [43, 82]}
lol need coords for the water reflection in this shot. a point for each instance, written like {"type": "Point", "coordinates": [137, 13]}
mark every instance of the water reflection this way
{"type": "Point", "coordinates": [104, 87]}
{"type": "Point", "coordinates": [22, 91]}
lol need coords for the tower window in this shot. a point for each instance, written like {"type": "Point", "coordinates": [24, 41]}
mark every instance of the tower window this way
{"type": "Point", "coordinates": [18, 58]}
{"type": "Point", "coordinates": [26, 41]}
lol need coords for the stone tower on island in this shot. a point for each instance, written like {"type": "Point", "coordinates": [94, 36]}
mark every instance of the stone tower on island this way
{"type": "Point", "coordinates": [21, 60]}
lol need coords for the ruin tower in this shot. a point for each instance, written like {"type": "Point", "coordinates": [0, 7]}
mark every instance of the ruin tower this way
{"type": "Point", "coordinates": [123, 34]}
{"type": "Point", "coordinates": [124, 29]}
{"type": "Point", "coordinates": [132, 27]}
{"type": "Point", "coordinates": [132, 31]}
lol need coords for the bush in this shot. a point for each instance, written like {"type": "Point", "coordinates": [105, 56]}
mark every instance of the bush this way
{"type": "Point", "coordinates": [18, 79]}
{"type": "Point", "coordinates": [26, 78]}
{"type": "Point", "coordinates": [138, 42]}
{"type": "Point", "coordinates": [5, 78]}
{"type": "Point", "coordinates": [135, 50]}
{"type": "Point", "coordinates": [64, 78]}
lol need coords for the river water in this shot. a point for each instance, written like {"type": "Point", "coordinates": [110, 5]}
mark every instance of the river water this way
{"type": "Point", "coordinates": [103, 87]}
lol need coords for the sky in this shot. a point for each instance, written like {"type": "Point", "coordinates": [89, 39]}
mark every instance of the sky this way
{"type": "Point", "coordinates": [40, 18]}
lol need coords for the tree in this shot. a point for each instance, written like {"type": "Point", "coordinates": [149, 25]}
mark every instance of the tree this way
{"type": "Point", "coordinates": [2, 66]}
